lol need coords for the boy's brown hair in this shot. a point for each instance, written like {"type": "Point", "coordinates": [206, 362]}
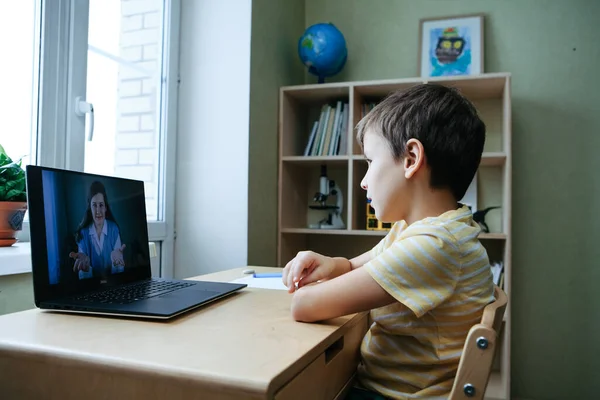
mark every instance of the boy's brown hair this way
{"type": "Point", "coordinates": [444, 121]}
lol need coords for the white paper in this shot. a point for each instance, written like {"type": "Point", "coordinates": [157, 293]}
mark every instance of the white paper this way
{"type": "Point", "coordinates": [262, 283]}
{"type": "Point", "coordinates": [470, 198]}
{"type": "Point", "coordinates": [496, 272]}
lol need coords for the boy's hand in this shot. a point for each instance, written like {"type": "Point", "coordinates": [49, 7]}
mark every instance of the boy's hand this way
{"type": "Point", "coordinates": [307, 267]}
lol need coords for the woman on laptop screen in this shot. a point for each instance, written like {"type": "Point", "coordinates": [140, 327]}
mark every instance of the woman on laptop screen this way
{"type": "Point", "coordinates": [100, 251]}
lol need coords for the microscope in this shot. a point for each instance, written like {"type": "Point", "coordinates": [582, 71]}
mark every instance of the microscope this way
{"type": "Point", "coordinates": [328, 188]}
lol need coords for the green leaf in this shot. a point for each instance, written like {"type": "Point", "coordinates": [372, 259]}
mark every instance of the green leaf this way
{"type": "Point", "coordinates": [4, 159]}
{"type": "Point", "coordinates": [12, 179]}
{"type": "Point", "coordinates": [11, 194]}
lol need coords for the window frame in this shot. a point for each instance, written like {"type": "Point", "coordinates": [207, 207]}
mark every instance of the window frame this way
{"type": "Point", "coordinates": [62, 77]}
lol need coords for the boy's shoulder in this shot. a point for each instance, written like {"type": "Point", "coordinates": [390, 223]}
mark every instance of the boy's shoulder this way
{"type": "Point", "coordinates": [456, 225]}
{"type": "Point", "coordinates": [454, 229]}
{"type": "Point", "coordinates": [421, 265]}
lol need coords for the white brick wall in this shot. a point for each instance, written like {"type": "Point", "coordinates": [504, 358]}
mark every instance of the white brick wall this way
{"type": "Point", "coordinates": [146, 156]}
{"type": "Point", "coordinates": [132, 23]}
{"type": "Point", "coordinates": [152, 20]}
{"type": "Point", "coordinates": [133, 53]}
{"type": "Point", "coordinates": [128, 123]}
{"type": "Point", "coordinates": [150, 52]}
{"type": "Point", "coordinates": [138, 37]}
{"type": "Point", "coordinates": [135, 105]}
{"type": "Point", "coordinates": [148, 86]}
{"type": "Point", "coordinates": [138, 140]}
{"type": "Point", "coordinates": [135, 7]}
{"type": "Point", "coordinates": [136, 153]}
{"type": "Point", "coordinates": [141, 172]}
{"type": "Point", "coordinates": [147, 122]}
{"type": "Point", "coordinates": [148, 68]}
{"type": "Point", "coordinates": [127, 157]}
{"type": "Point", "coordinates": [130, 88]}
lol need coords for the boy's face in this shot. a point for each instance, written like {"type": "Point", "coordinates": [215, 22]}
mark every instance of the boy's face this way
{"type": "Point", "coordinates": [385, 180]}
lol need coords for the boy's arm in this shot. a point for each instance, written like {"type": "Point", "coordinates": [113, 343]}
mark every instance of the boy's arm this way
{"type": "Point", "coordinates": [420, 272]}
{"type": "Point", "coordinates": [344, 265]}
{"type": "Point", "coordinates": [361, 260]}
{"type": "Point", "coordinates": [355, 291]}
{"type": "Point", "coordinates": [309, 267]}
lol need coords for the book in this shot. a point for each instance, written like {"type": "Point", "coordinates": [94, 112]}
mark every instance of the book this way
{"type": "Point", "coordinates": [311, 139]}
{"type": "Point", "coordinates": [328, 135]}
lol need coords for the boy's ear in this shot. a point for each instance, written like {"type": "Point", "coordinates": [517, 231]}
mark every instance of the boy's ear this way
{"type": "Point", "coordinates": [414, 157]}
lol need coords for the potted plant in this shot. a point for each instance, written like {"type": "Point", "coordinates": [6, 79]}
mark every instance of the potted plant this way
{"type": "Point", "coordinates": [13, 199]}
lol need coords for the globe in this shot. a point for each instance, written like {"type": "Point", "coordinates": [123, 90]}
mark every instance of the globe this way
{"type": "Point", "coordinates": [322, 48]}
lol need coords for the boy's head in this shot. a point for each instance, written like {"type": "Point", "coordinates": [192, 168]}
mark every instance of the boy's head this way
{"type": "Point", "coordinates": [427, 137]}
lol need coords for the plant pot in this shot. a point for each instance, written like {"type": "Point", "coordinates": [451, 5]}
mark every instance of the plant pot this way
{"type": "Point", "coordinates": [11, 221]}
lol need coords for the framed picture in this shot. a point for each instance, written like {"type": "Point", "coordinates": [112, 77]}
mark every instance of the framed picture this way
{"type": "Point", "coordinates": [451, 46]}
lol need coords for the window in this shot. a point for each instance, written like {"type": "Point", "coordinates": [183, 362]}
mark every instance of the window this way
{"type": "Point", "coordinates": [124, 84]}
{"type": "Point", "coordinates": [93, 87]}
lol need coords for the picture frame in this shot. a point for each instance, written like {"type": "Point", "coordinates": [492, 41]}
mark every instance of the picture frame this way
{"type": "Point", "coordinates": [451, 46]}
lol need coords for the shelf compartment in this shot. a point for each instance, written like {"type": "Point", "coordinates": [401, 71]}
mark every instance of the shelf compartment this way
{"type": "Point", "coordinates": [299, 109]}
{"type": "Point", "coordinates": [299, 183]}
{"type": "Point", "coordinates": [490, 112]}
{"type": "Point", "coordinates": [490, 193]}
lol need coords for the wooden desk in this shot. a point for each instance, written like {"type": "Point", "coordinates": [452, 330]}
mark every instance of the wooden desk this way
{"type": "Point", "coordinates": [243, 346]}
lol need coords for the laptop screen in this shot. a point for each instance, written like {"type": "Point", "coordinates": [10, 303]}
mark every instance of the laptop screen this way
{"type": "Point", "coordinates": [94, 226]}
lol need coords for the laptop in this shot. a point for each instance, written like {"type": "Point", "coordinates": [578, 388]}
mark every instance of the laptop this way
{"type": "Point", "coordinates": [90, 249]}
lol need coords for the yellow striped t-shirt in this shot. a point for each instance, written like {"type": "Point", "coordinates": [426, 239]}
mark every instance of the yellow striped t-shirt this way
{"type": "Point", "coordinates": [440, 274]}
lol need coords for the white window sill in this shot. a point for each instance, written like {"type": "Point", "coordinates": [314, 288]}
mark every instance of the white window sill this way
{"type": "Point", "coordinates": [15, 259]}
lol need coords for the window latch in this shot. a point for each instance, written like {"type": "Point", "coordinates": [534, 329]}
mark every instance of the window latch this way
{"type": "Point", "coordinates": [82, 108]}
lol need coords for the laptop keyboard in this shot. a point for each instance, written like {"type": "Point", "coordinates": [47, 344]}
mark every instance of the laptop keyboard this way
{"type": "Point", "coordinates": [135, 292]}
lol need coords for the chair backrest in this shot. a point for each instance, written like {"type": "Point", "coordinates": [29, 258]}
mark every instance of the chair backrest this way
{"type": "Point", "coordinates": [475, 365]}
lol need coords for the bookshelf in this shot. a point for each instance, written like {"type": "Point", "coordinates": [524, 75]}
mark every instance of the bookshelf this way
{"type": "Point", "coordinates": [300, 106]}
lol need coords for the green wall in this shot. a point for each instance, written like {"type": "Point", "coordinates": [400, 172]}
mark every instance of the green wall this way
{"type": "Point", "coordinates": [276, 26]}
{"type": "Point", "coordinates": [16, 293]}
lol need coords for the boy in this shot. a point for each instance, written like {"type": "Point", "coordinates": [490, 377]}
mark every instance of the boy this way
{"type": "Point", "coordinates": [427, 282]}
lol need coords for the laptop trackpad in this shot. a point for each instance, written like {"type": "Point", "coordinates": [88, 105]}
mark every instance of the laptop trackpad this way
{"type": "Point", "coordinates": [174, 302]}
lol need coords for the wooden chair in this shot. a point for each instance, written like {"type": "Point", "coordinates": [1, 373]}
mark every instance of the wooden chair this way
{"type": "Point", "coordinates": [475, 364]}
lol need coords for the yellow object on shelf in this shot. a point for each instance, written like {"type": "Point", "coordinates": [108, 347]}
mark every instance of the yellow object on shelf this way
{"type": "Point", "coordinates": [373, 224]}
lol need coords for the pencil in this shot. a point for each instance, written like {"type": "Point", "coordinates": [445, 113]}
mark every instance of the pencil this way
{"type": "Point", "coordinates": [268, 275]}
